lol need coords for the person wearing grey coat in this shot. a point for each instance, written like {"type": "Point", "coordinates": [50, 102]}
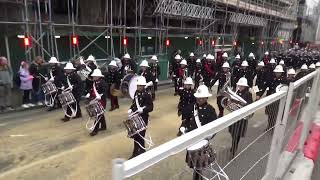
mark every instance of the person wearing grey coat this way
{"type": "Point", "coordinates": [5, 85]}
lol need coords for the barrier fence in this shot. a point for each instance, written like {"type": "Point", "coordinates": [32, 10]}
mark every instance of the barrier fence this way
{"type": "Point", "coordinates": [280, 122]}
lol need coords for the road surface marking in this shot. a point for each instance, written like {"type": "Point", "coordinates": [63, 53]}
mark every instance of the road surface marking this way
{"type": "Point", "coordinates": [18, 135]}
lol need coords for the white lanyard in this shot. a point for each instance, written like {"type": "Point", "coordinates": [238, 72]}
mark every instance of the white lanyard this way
{"type": "Point", "coordinates": [196, 116]}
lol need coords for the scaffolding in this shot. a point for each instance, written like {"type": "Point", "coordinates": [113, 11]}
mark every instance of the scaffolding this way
{"type": "Point", "coordinates": [204, 19]}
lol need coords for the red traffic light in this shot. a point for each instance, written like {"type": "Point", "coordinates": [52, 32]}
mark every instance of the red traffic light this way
{"type": "Point", "coordinates": [213, 43]}
{"type": "Point", "coordinates": [125, 41]}
{"type": "Point", "coordinates": [75, 40]}
{"type": "Point", "coordinates": [200, 42]}
{"type": "Point", "coordinates": [167, 42]}
{"type": "Point", "coordinates": [26, 41]}
{"type": "Point", "coordinates": [234, 43]}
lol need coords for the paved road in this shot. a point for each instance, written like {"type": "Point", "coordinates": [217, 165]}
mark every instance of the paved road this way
{"type": "Point", "coordinates": [35, 145]}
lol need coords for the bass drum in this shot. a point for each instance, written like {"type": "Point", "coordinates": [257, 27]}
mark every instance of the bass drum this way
{"type": "Point", "coordinates": [128, 85]}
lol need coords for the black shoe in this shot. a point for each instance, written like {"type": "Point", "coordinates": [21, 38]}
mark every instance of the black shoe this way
{"type": "Point", "coordinates": [132, 156]}
{"type": "Point", "coordinates": [103, 128]}
{"type": "Point", "coordinates": [112, 108]}
{"type": "Point", "coordinates": [65, 119]}
{"type": "Point", "coordinates": [93, 133]}
{"type": "Point", "coordinates": [179, 133]}
{"type": "Point", "coordinates": [78, 116]}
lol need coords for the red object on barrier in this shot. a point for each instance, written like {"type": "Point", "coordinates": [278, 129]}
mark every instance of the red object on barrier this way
{"type": "Point", "coordinates": [295, 106]}
{"type": "Point", "coordinates": [294, 139]}
{"type": "Point", "coordinates": [312, 144]}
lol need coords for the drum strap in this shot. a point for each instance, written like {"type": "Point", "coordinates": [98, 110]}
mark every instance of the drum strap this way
{"type": "Point", "coordinates": [196, 116]}
{"type": "Point", "coordinates": [137, 102]}
{"type": "Point", "coordinates": [51, 75]}
{"type": "Point", "coordinates": [69, 84]}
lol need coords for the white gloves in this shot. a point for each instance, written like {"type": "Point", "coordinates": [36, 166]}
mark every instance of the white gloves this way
{"type": "Point", "coordinates": [98, 98]}
{"type": "Point", "coordinates": [88, 95]}
{"type": "Point", "coordinates": [140, 110]}
{"type": "Point", "coordinates": [150, 83]}
{"type": "Point", "coordinates": [129, 111]}
{"type": "Point", "coordinates": [46, 79]}
{"type": "Point", "coordinates": [51, 79]}
{"type": "Point", "coordinates": [157, 80]}
{"type": "Point", "coordinates": [183, 130]}
{"type": "Point", "coordinates": [62, 87]}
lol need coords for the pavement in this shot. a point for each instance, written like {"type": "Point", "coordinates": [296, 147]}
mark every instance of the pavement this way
{"type": "Point", "coordinates": [36, 144]}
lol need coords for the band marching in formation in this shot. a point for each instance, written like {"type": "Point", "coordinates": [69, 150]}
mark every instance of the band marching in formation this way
{"type": "Point", "coordinates": [193, 80]}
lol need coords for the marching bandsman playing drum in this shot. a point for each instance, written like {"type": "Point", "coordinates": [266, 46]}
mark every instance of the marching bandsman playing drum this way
{"type": "Point", "coordinates": [113, 80]}
{"type": "Point", "coordinates": [223, 77]}
{"type": "Point", "coordinates": [183, 73]}
{"type": "Point", "coordinates": [272, 82]}
{"type": "Point", "coordinates": [198, 114]}
{"type": "Point", "coordinates": [174, 71]}
{"type": "Point", "coordinates": [76, 89]}
{"type": "Point", "coordinates": [291, 75]}
{"type": "Point", "coordinates": [198, 76]}
{"type": "Point", "coordinates": [252, 61]}
{"type": "Point", "coordinates": [186, 98]}
{"type": "Point", "coordinates": [155, 70]}
{"type": "Point", "coordinates": [191, 64]}
{"type": "Point", "coordinates": [143, 105]}
{"type": "Point", "coordinates": [98, 92]}
{"type": "Point", "coordinates": [145, 72]}
{"type": "Point", "coordinates": [128, 65]}
{"type": "Point", "coordinates": [238, 129]}
{"type": "Point", "coordinates": [92, 65]}
{"type": "Point", "coordinates": [209, 70]}
{"type": "Point", "coordinates": [56, 76]}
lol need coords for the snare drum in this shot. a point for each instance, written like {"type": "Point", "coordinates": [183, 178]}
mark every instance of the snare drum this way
{"type": "Point", "coordinates": [95, 109]}
{"type": "Point", "coordinates": [200, 155]}
{"type": "Point", "coordinates": [134, 125]}
{"type": "Point", "coordinates": [66, 98]}
{"type": "Point", "coordinates": [128, 85]}
{"type": "Point", "coordinates": [49, 88]}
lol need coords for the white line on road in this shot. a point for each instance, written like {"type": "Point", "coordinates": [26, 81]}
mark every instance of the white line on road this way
{"type": "Point", "coordinates": [18, 135]}
{"type": "Point", "coordinates": [3, 124]}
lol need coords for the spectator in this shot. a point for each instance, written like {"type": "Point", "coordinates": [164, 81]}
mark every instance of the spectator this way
{"type": "Point", "coordinates": [5, 85]}
{"type": "Point", "coordinates": [26, 84]}
{"type": "Point", "coordinates": [38, 71]}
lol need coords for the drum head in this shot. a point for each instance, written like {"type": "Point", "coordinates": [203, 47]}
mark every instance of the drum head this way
{"type": "Point", "coordinates": [133, 86]}
{"type": "Point", "coordinates": [198, 145]}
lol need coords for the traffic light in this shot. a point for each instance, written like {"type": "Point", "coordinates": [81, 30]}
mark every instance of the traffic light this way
{"type": "Point", "coordinates": [26, 41]}
{"type": "Point", "coordinates": [167, 42]}
{"type": "Point", "coordinates": [213, 43]}
{"type": "Point", "coordinates": [200, 42]}
{"type": "Point", "coordinates": [75, 41]}
{"type": "Point", "coordinates": [234, 43]}
{"type": "Point", "coordinates": [125, 41]}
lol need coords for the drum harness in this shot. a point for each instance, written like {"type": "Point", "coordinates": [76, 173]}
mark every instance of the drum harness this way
{"type": "Point", "coordinates": [98, 117]}
{"type": "Point", "coordinates": [50, 103]}
{"type": "Point", "coordinates": [148, 141]}
{"type": "Point", "coordinates": [219, 172]}
{"type": "Point", "coordinates": [73, 111]}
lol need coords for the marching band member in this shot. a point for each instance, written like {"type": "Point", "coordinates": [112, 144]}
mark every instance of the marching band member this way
{"type": "Point", "coordinates": [271, 65]}
{"type": "Point", "coordinates": [281, 62]}
{"type": "Point", "coordinates": [186, 98]}
{"type": "Point", "coordinates": [155, 70]}
{"type": "Point", "coordinates": [209, 70]}
{"type": "Point", "coordinates": [238, 129]}
{"type": "Point", "coordinates": [266, 58]}
{"type": "Point", "coordinates": [191, 64]}
{"type": "Point", "coordinates": [114, 80]}
{"type": "Point", "coordinates": [56, 75]}
{"type": "Point", "coordinates": [145, 72]}
{"type": "Point", "coordinates": [246, 72]}
{"type": "Point", "coordinates": [252, 61]}
{"type": "Point", "coordinates": [261, 73]}
{"type": "Point", "coordinates": [76, 88]}
{"type": "Point", "coordinates": [223, 77]}
{"type": "Point", "coordinates": [272, 82]}
{"type": "Point", "coordinates": [91, 65]}
{"type": "Point", "coordinates": [182, 73]}
{"type": "Point", "coordinates": [204, 57]}
{"type": "Point", "coordinates": [312, 67]}
{"type": "Point", "coordinates": [142, 104]}
{"type": "Point", "coordinates": [128, 65]}
{"type": "Point", "coordinates": [236, 66]}
{"type": "Point", "coordinates": [198, 77]}
{"type": "Point", "coordinates": [291, 75]}
{"type": "Point", "coordinates": [98, 92]}
{"type": "Point", "coordinates": [224, 57]}
{"type": "Point", "coordinates": [303, 71]}
{"type": "Point", "coordinates": [198, 114]}
{"type": "Point", "coordinates": [174, 71]}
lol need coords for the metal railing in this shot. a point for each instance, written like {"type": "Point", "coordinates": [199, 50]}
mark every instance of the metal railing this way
{"type": "Point", "coordinates": [265, 164]}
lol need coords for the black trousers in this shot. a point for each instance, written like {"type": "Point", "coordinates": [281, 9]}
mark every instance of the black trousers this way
{"type": "Point", "coordinates": [26, 96]}
{"type": "Point", "coordinates": [196, 175]}
{"type": "Point", "coordinates": [237, 130]}
{"type": "Point", "coordinates": [100, 124]}
{"type": "Point", "coordinates": [114, 101]}
{"type": "Point", "coordinates": [219, 100]}
{"type": "Point", "coordinates": [139, 138]}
